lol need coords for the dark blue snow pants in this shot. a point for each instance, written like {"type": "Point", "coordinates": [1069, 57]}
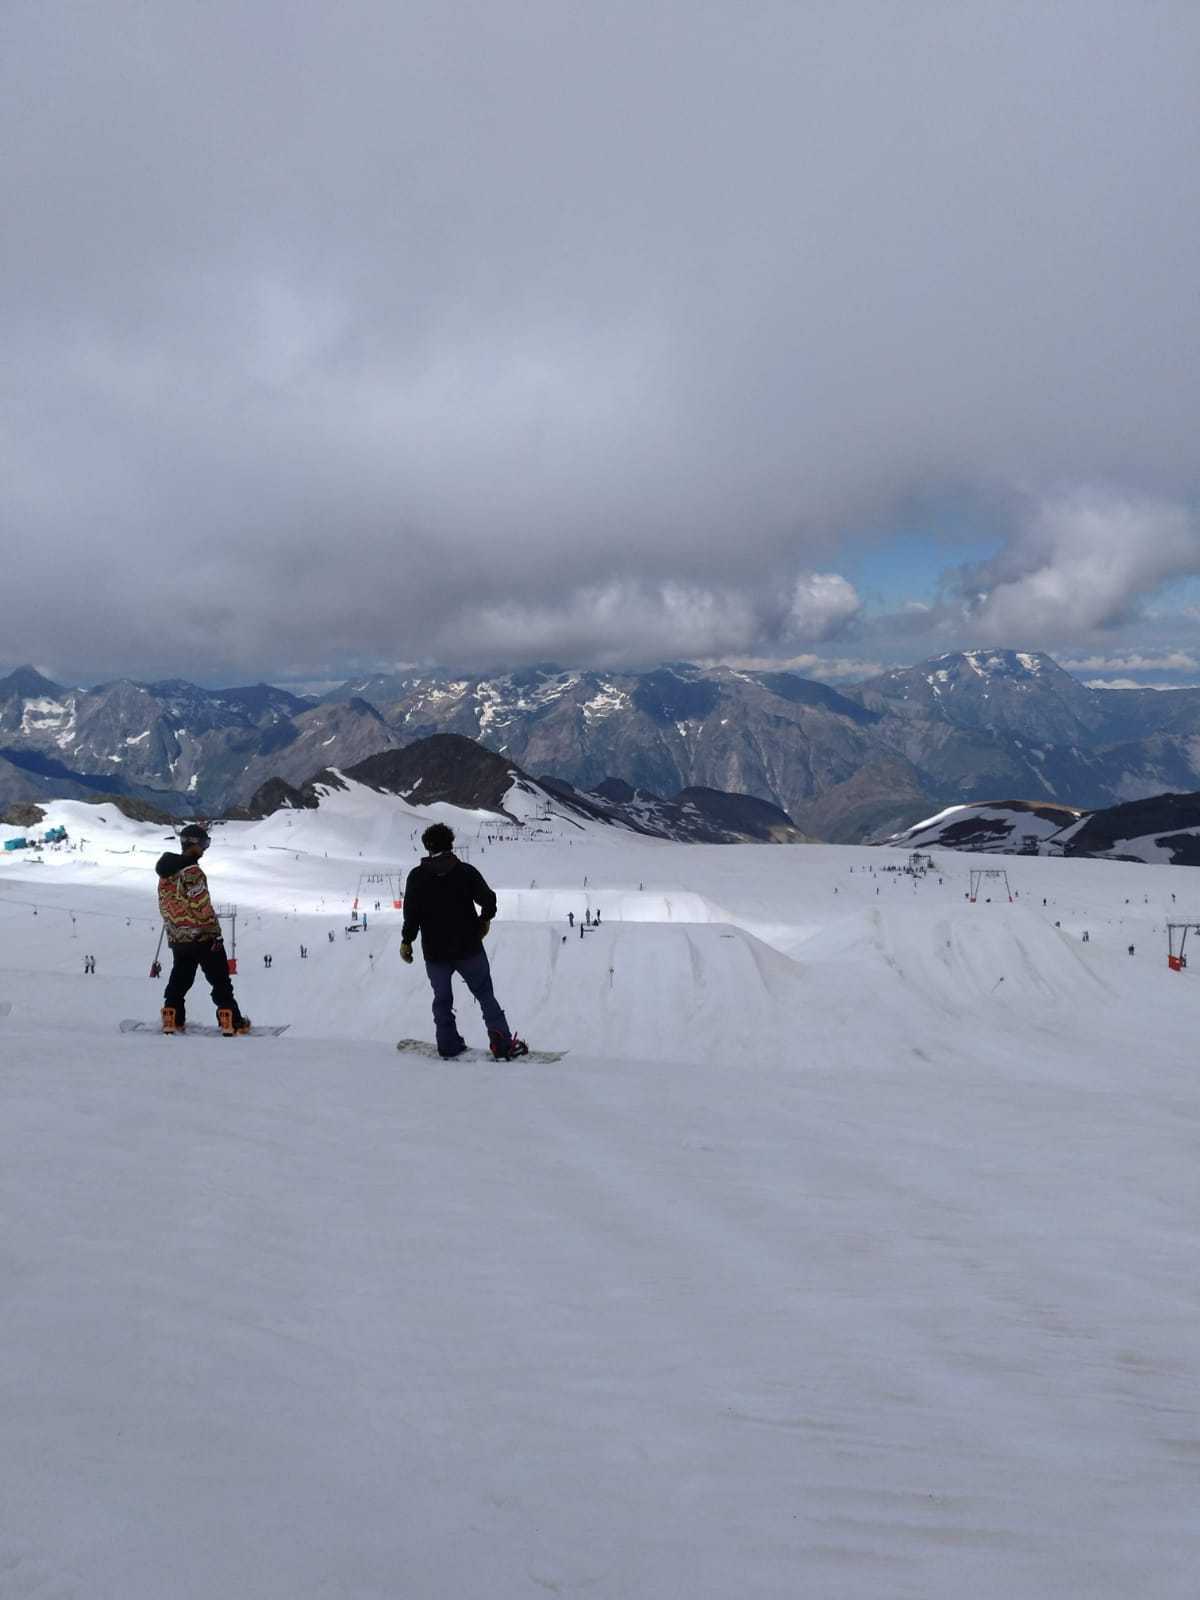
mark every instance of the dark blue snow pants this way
{"type": "Point", "coordinates": [477, 974]}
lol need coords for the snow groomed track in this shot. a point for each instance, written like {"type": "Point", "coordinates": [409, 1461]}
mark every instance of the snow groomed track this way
{"type": "Point", "coordinates": [851, 1250]}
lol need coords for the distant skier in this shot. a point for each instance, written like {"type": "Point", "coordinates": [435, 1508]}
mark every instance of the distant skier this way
{"type": "Point", "coordinates": [193, 934]}
{"type": "Point", "coordinates": [450, 905]}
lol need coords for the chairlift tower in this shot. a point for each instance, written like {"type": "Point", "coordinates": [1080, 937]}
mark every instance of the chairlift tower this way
{"type": "Point", "coordinates": [1177, 933]}
{"type": "Point", "coordinates": [229, 914]}
{"type": "Point", "coordinates": [381, 885]}
{"type": "Point", "coordinates": [978, 874]}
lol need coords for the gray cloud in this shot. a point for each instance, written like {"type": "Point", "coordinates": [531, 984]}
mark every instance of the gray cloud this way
{"type": "Point", "coordinates": [458, 329]}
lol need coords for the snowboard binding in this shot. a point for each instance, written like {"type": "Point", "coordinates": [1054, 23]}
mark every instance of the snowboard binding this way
{"type": "Point", "coordinates": [507, 1049]}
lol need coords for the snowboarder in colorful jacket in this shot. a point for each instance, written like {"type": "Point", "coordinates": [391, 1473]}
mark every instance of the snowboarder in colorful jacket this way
{"type": "Point", "coordinates": [450, 905]}
{"type": "Point", "coordinates": [193, 933]}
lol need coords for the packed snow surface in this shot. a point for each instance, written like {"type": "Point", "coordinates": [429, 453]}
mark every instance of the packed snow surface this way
{"type": "Point", "coordinates": [851, 1251]}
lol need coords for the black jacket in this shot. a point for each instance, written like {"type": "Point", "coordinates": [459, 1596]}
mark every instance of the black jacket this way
{"type": "Point", "coordinates": [440, 900]}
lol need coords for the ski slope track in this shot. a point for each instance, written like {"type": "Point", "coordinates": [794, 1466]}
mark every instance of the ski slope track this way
{"type": "Point", "coordinates": [850, 1252]}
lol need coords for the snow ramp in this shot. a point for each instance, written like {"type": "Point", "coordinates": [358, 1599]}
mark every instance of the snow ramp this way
{"type": "Point", "coordinates": [953, 960]}
{"type": "Point", "coordinates": [637, 991]}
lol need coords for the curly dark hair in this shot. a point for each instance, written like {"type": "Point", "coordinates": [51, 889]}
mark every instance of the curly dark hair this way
{"type": "Point", "coordinates": [438, 837]}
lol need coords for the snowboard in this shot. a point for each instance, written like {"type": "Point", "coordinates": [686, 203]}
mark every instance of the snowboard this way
{"type": "Point", "coordinates": [421, 1047]}
{"type": "Point", "coordinates": [207, 1029]}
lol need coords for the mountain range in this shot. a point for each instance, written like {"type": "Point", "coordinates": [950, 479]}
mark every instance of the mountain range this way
{"type": "Point", "coordinates": [857, 763]}
{"type": "Point", "coordinates": [449, 769]}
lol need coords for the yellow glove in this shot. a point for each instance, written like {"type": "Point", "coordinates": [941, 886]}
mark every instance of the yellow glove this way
{"type": "Point", "coordinates": [406, 953]}
{"type": "Point", "coordinates": [484, 925]}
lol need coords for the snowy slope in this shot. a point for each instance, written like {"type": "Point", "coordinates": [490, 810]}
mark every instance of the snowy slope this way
{"type": "Point", "coordinates": [851, 1252]}
{"type": "Point", "coordinates": [1162, 829]}
{"type": "Point", "coordinates": [1006, 827]}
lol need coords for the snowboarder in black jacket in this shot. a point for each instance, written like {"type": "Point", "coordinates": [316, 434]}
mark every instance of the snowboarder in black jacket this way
{"type": "Point", "coordinates": [450, 905]}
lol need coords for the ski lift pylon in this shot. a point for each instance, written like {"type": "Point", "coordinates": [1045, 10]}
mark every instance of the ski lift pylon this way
{"type": "Point", "coordinates": [979, 873]}
{"type": "Point", "coordinates": [1177, 933]}
{"type": "Point", "coordinates": [384, 885]}
{"type": "Point", "coordinates": [229, 914]}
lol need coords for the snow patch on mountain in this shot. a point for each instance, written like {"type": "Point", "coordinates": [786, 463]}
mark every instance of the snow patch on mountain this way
{"type": "Point", "coordinates": [608, 701]}
{"type": "Point", "coordinates": [40, 715]}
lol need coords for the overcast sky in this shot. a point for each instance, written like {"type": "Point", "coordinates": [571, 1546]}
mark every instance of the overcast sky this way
{"type": "Point", "coordinates": [348, 335]}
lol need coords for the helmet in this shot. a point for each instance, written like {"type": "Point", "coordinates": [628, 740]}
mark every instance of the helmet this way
{"type": "Point", "coordinates": [194, 834]}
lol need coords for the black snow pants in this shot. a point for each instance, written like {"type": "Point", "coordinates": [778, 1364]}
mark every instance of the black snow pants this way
{"type": "Point", "coordinates": [209, 956]}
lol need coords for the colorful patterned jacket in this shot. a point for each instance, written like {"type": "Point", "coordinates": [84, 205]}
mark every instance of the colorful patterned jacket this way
{"type": "Point", "coordinates": [183, 900]}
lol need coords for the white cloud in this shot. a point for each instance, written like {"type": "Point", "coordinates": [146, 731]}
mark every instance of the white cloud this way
{"type": "Point", "coordinates": [637, 620]}
{"type": "Point", "coordinates": [822, 604]}
{"type": "Point", "coordinates": [1081, 563]}
{"type": "Point", "coordinates": [1129, 683]}
{"type": "Point", "coordinates": [1169, 661]}
{"type": "Point", "coordinates": [607, 624]}
{"type": "Point", "coordinates": [825, 669]}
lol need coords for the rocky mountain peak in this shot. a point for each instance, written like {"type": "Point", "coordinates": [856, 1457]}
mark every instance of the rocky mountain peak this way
{"type": "Point", "coordinates": [27, 683]}
{"type": "Point", "coordinates": [979, 669]}
{"type": "Point", "coordinates": [996, 664]}
{"type": "Point", "coordinates": [445, 767]}
{"type": "Point", "coordinates": [1020, 693]}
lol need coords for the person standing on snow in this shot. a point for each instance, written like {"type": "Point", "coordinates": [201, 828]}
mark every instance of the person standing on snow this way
{"type": "Point", "coordinates": [193, 934]}
{"type": "Point", "coordinates": [450, 905]}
